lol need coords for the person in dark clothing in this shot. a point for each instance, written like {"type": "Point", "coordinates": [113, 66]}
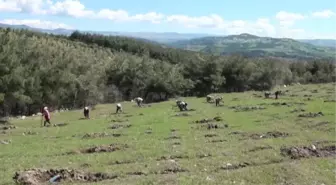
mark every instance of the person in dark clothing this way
{"type": "Point", "coordinates": [181, 105]}
{"type": "Point", "coordinates": [46, 115]}
{"type": "Point", "coordinates": [119, 108]}
{"type": "Point", "coordinates": [277, 93]}
{"type": "Point", "coordinates": [218, 100]}
{"type": "Point", "coordinates": [86, 112]}
{"type": "Point", "coordinates": [139, 101]}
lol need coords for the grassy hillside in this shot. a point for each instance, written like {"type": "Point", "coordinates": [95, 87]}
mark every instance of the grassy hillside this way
{"type": "Point", "coordinates": [161, 145]}
{"type": "Point", "coordinates": [85, 69]}
{"type": "Point", "coordinates": [254, 46]}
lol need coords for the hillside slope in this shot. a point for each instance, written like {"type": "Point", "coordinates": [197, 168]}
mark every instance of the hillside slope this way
{"type": "Point", "coordinates": [254, 46]}
{"type": "Point", "coordinates": [39, 69]}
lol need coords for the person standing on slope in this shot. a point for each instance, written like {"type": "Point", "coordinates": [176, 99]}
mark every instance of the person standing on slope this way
{"type": "Point", "coordinates": [46, 115]}
{"type": "Point", "coordinates": [86, 112]}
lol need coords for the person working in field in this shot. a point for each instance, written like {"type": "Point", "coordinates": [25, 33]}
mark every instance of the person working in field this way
{"type": "Point", "coordinates": [119, 108]}
{"type": "Point", "coordinates": [46, 115]}
{"type": "Point", "coordinates": [181, 105]}
{"type": "Point", "coordinates": [139, 101]}
{"type": "Point", "coordinates": [218, 100]}
{"type": "Point", "coordinates": [86, 112]}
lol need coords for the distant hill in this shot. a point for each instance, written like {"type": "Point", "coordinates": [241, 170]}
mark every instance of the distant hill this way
{"type": "Point", "coordinates": [254, 46]}
{"type": "Point", "coordinates": [165, 37]}
{"type": "Point", "coordinates": [321, 42]}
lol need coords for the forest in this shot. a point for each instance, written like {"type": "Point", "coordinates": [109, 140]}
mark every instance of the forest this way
{"type": "Point", "coordinates": [39, 69]}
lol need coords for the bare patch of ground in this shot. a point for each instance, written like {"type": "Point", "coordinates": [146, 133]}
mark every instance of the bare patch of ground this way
{"type": "Point", "coordinates": [122, 162]}
{"type": "Point", "coordinates": [170, 170]}
{"type": "Point", "coordinates": [29, 133]}
{"type": "Point", "coordinates": [42, 176]}
{"type": "Point", "coordinates": [230, 166]}
{"type": "Point", "coordinates": [210, 135]}
{"type": "Point", "coordinates": [172, 157]}
{"type": "Point", "coordinates": [208, 120]}
{"type": "Point", "coordinates": [203, 155]}
{"type": "Point", "coordinates": [183, 114]}
{"type": "Point", "coordinates": [119, 120]}
{"type": "Point", "coordinates": [8, 127]}
{"type": "Point", "coordinates": [58, 125]}
{"type": "Point", "coordinates": [311, 115]}
{"type": "Point", "coordinates": [102, 148]}
{"type": "Point", "coordinates": [173, 137]}
{"type": "Point", "coordinates": [271, 134]}
{"type": "Point", "coordinates": [305, 152]}
{"type": "Point", "coordinates": [259, 148]}
{"type": "Point", "coordinates": [99, 135]}
{"type": "Point", "coordinates": [329, 100]}
{"type": "Point", "coordinates": [217, 141]}
{"type": "Point", "coordinates": [239, 108]}
{"type": "Point", "coordinates": [297, 110]}
{"type": "Point", "coordinates": [138, 173]}
{"type": "Point", "coordinates": [215, 126]}
{"type": "Point", "coordinates": [117, 126]}
{"type": "Point", "coordinates": [5, 142]}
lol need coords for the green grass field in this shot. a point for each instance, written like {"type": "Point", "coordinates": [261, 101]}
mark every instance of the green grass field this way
{"type": "Point", "coordinates": [164, 146]}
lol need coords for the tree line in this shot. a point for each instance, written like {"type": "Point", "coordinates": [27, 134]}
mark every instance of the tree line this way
{"type": "Point", "coordinates": [38, 69]}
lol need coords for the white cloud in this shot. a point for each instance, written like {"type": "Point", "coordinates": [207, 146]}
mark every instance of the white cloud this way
{"type": "Point", "coordinates": [36, 23]}
{"type": "Point", "coordinates": [288, 19]}
{"type": "Point", "coordinates": [323, 14]}
{"type": "Point", "coordinates": [71, 8]}
{"type": "Point", "coordinates": [283, 27]}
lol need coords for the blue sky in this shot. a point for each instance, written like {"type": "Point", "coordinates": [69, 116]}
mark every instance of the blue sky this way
{"type": "Point", "coordinates": [285, 18]}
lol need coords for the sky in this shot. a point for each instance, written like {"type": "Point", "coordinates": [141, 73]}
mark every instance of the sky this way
{"type": "Point", "coordinates": [298, 19]}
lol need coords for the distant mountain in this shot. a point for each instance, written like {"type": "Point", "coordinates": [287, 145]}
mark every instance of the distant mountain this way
{"type": "Point", "coordinates": [320, 42]}
{"type": "Point", "coordinates": [166, 37]}
{"type": "Point", "coordinates": [254, 46]}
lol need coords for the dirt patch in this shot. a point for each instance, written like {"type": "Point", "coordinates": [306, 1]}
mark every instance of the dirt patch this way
{"type": "Point", "coordinates": [5, 142]}
{"type": "Point", "coordinates": [173, 137]}
{"type": "Point", "coordinates": [329, 100]}
{"type": "Point", "coordinates": [58, 125]}
{"type": "Point", "coordinates": [8, 127]}
{"type": "Point", "coordinates": [121, 162]}
{"type": "Point", "coordinates": [271, 134]}
{"type": "Point", "coordinates": [136, 173]}
{"type": "Point", "coordinates": [217, 141]}
{"type": "Point", "coordinates": [311, 115]}
{"type": "Point", "coordinates": [148, 131]}
{"type": "Point", "coordinates": [305, 152]}
{"type": "Point", "coordinates": [183, 114]}
{"type": "Point", "coordinates": [85, 165]}
{"type": "Point", "coordinates": [29, 133]}
{"type": "Point", "coordinates": [100, 149]}
{"type": "Point", "coordinates": [210, 135]}
{"type": "Point", "coordinates": [297, 110]}
{"type": "Point", "coordinates": [230, 166]}
{"type": "Point", "coordinates": [42, 176]}
{"type": "Point", "coordinates": [203, 155]}
{"type": "Point", "coordinates": [99, 135]}
{"type": "Point", "coordinates": [236, 133]}
{"type": "Point", "coordinates": [208, 120]}
{"type": "Point", "coordinates": [171, 170]}
{"type": "Point", "coordinates": [176, 143]}
{"type": "Point", "coordinates": [215, 126]}
{"type": "Point", "coordinates": [173, 157]}
{"type": "Point", "coordinates": [117, 126]}
{"type": "Point", "coordinates": [246, 108]}
{"type": "Point", "coordinates": [259, 148]}
{"type": "Point", "coordinates": [119, 120]}
{"type": "Point", "coordinates": [235, 166]}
